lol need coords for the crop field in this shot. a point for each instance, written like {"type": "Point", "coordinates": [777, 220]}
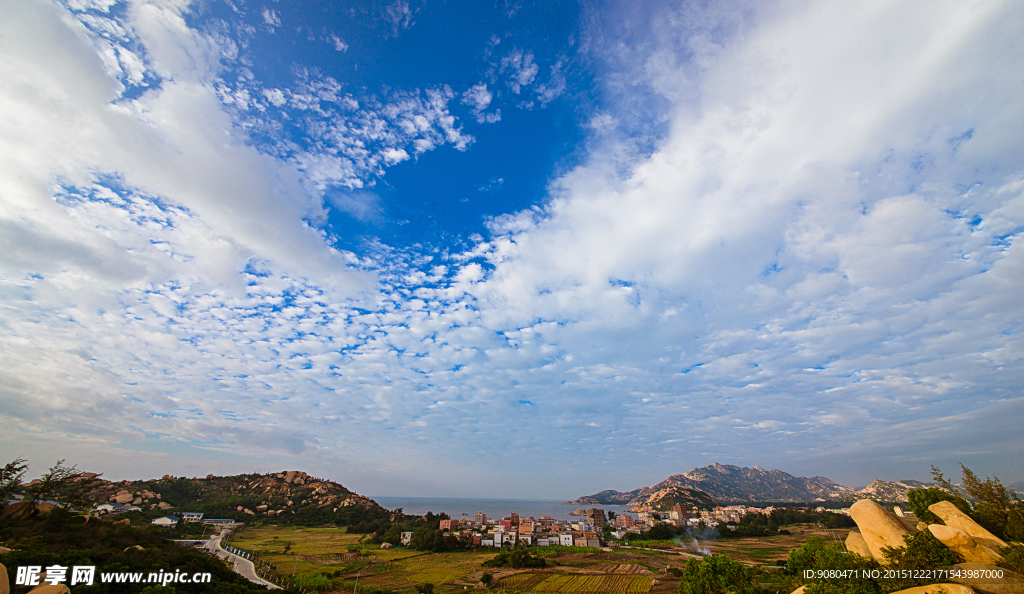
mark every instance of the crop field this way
{"type": "Point", "coordinates": [436, 568]}
{"type": "Point", "coordinates": [576, 583]}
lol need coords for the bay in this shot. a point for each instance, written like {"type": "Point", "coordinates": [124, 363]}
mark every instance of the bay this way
{"type": "Point", "coordinates": [458, 508]}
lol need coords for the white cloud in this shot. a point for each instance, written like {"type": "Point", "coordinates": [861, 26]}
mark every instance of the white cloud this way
{"type": "Point", "coordinates": [818, 252]}
{"type": "Point", "coordinates": [271, 18]}
{"type": "Point", "coordinates": [339, 45]}
{"type": "Point", "coordinates": [522, 69]}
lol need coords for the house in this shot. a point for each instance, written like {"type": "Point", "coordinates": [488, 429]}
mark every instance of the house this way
{"type": "Point", "coordinates": [481, 518]}
{"type": "Point", "coordinates": [166, 521]}
{"type": "Point", "coordinates": [596, 517]}
{"type": "Point", "coordinates": [449, 524]}
{"type": "Point", "coordinates": [192, 516]}
{"type": "Point", "coordinates": [108, 508]}
{"type": "Point", "coordinates": [406, 539]}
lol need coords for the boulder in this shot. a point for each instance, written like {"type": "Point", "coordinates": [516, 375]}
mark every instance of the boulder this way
{"type": "Point", "coordinates": [147, 494]}
{"type": "Point", "coordinates": [137, 501]}
{"type": "Point", "coordinates": [123, 497]}
{"type": "Point", "coordinates": [27, 509]}
{"type": "Point", "coordinates": [290, 476]}
{"type": "Point", "coordinates": [260, 508]}
{"type": "Point", "coordinates": [5, 584]}
{"type": "Point", "coordinates": [164, 505]}
{"type": "Point", "coordinates": [136, 547]}
{"type": "Point", "coordinates": [855, 544]}
{"type": "Point", "coordinates": [239, 508]}
{"type": "Point", "coordinates": [4, 550]}
{"type": "Point", "coordinates": [799, 590]}
{"type": "Point", "coordinates": [952, 516]}
{"type": "Point", "coordinates": [1011, 582]}
{"type": "Point", "coordinates": [50, 589]}
{"type": "Point", "coordinates": [878, 527]}
{"type": "Point", "coordinates": [937, 589]}
{"type": "Point", "coordinates": [963, 543]}
{"type": "Point", "coordinates": [387, 545]}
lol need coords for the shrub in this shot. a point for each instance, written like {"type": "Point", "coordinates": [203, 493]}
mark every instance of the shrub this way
{"type": "Point", "coordinates": [716, 574]}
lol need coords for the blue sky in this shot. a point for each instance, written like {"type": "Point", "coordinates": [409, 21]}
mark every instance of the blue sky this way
{"type": "Point", "coordinates": [512, 249]}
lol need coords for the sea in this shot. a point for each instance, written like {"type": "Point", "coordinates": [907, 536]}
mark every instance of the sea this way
{"type": "Point", "coordinates": [495, 509]}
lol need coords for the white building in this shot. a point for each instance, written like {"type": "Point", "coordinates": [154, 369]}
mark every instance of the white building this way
{"type": "Point", "coordinates": [166, 521]}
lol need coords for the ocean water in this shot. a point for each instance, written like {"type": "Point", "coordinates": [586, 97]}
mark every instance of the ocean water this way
{"type": "Point", "coordinates": [495, 509]}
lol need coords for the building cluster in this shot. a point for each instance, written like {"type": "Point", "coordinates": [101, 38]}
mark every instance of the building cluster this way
{"type": "Point", "coordinates": [545, 531]}
{"type": "Point", "coordinates": [189, 517]}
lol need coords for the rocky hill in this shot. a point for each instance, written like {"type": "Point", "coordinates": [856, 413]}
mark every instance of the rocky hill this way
{"type": "Point", "coordinates": [890, 490]}
{"type": "Point", "coordinates": [733, 484]}
{"type": "Point", "coordinates": [289, 496]}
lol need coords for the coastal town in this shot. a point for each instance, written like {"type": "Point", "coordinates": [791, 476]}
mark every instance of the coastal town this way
{"type": "Point", "coordinates": [592, 529]}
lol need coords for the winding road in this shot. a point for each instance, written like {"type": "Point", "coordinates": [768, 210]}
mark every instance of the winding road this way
{"type": "Point", "coordinates": [242, 566]}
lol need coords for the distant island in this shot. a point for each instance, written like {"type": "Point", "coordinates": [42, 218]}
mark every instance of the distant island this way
{"type": "Point", "coordinates": [711, 485]}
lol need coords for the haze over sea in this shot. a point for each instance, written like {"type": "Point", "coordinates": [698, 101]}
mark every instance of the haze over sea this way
{"type": "Point", "coordinates": [494, 508]}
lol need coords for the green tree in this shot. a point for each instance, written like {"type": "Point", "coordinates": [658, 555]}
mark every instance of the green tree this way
{"type": "Point", "coordinates": [10, 477]}
{"type": "Point", "coordinates": [716, 574]}
{"type": "Point", "coordinates": [487, 578]}
{"type": "Point", "coordinates": [65, 485]}
{"type": "Point", "coordinates": [426, 588]}
{"type": "Point", "coordinates": [920, 499]}
{"type": "Point", "coordinates": [996, 508]}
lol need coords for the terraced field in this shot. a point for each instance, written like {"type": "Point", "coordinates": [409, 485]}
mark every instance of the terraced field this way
{"type": "Point", "coordinates": [576, 583]}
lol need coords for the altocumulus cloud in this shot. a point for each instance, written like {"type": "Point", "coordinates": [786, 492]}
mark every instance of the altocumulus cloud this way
{"type": "Point", "coordinates": [817, 267]}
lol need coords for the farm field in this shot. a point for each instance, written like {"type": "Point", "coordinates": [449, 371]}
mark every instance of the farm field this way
{"type": "Point", "coordinates": [332, 557]}
{"type": "Point", "coordinates": [539, 582]}
{"type": "Point", "coordinates": [767, 550]}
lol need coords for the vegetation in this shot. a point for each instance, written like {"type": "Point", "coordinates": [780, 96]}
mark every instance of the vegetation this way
{"type": "Point", "coordinates": [998, 509]}
{"type": "Point", "coordinates": [921, 551]}
{"type": "Point", "coordinates": [10, 477]}
{"type": "Point", "coordinates": [716, 574]}
{"type": "Point", "coordinates": [63, 538]}
{"type": "Point", "coordinates": [519, 556]}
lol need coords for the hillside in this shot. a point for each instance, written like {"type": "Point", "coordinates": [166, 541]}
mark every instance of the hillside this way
{"type": "Point", "coordinates": [734, 484]}
{"type": "Point", "coordinates": [667, 498]}
{"type": "Point", "coordinates": [290, 497]}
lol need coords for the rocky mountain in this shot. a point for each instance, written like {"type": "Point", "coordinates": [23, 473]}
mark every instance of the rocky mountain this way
{"type": "Point", "coordinates": [667, 498]}
{"type": "Point", "coordinates": [890, 490]}
{"type": "Point", "coordinates": [289, 496]}
{"type": "Point", "coordinates": [733, 484]}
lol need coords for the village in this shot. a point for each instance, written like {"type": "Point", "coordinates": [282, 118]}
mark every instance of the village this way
{"type": "Point", "coordinates": [591, 530]}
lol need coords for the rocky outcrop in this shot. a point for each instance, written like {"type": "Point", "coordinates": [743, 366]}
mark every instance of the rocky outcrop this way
{"type": "Point", "coordinates": [952, 516]}
{"type": "Point", "coordinates": [123, 497]}
{"type": "Point", "coordinates": [878, 527]}
{"type": "Point", "coordinates": [5, 584]}
{"type": "Point", "coordinates": [164, 505]}
{"type": "Point", "coordinates": [50, 589]}
{"type": "Point", "coordinates": [1011, 582]}
{"type": "Point", "coordinates": [938, 589]}
{"type": "Point", "coordinates": [855, 543]}
{"type": "Point", "coordinates": [27, 509]}
{"type": "Point", "coordinates": [963, 543]}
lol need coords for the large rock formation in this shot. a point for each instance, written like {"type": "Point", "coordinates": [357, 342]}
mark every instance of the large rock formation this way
{"type": "Point", "coordinates": [938, 589]}
{"type": "Point", "coordinates": [855, 544]}
{"type": "Point", "coordinates": [963, 543]}
{"type": "Point", "coordinates": [5, 584]}
{"type": "Point", "coordinates": [1011, 582]}
{"type": "Point", "coordinates": [952, 516]}
{"type": "Point", "coordinates": [878, 527]}
{"type": "Point", "coordinates": [50, 589]}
